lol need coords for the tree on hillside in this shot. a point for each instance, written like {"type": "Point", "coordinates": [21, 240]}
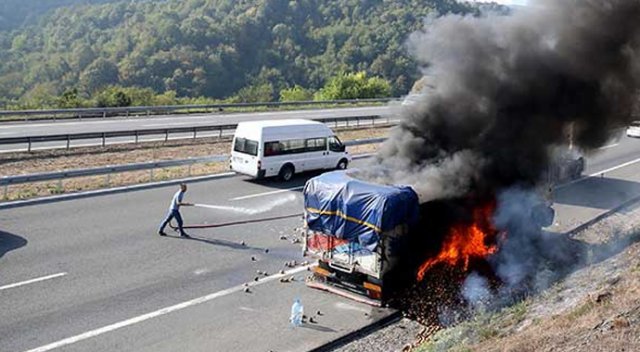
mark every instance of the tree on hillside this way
{"type": "Point", "coordinates": [296, 93]}
{"type": "Point", "coordinates": [69, 99]}
{"type": "Point", "coordinates": [100, 73]}
{"type": "Point", "coordinates": [255, 93]}
{"type": "Point", "coordinates": [112, 97]}
{"type": "Point", "coordinates": [354, 86]}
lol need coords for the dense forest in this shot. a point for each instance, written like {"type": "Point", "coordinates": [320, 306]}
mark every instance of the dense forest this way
{"type": "Point", "coordinates": [16, 13]}
{"type": "Point", "coordinates": [252, 49]}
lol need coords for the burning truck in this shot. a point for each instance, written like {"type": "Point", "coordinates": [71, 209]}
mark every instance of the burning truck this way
{"type": "Point", "coordinates": [372, 239]}
{"type": "Point", "coordinates": [477, 145]}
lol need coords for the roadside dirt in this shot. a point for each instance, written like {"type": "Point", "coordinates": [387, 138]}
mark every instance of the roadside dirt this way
{"type": "Point", "coordinates": [12, 164]}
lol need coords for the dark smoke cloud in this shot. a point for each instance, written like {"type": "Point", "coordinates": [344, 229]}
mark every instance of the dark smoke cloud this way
{"type": "Point", "coordinates": [503, 91]}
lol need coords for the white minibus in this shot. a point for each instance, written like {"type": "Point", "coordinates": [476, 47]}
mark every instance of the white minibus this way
{"type": "Point", "coordinates": [284, 147]}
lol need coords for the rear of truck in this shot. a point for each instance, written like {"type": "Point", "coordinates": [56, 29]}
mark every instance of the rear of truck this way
{"type": "Point", "coordinates": [357, 231]}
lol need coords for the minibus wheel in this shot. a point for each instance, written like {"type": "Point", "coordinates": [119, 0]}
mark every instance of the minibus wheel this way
{"type": "Point", "coordinates": [342, 165]}
{"type": "Point", "coordinates": [286, 172]}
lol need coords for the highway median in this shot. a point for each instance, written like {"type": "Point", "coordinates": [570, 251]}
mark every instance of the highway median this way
{"type": "Point", "coordinates": [48, 161]}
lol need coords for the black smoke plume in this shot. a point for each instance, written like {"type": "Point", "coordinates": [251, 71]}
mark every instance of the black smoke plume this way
{"type": "Point", "coordinates": [502, 91]}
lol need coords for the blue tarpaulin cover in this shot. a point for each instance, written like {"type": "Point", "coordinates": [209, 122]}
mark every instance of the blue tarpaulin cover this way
{"type": "Point", "coordinates": [358, 211]}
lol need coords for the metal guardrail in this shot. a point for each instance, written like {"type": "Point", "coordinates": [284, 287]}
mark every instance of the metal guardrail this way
{"type": "Point", "coordinates": [166, 109]}
{"type": "Point", "coordinates": [52, 176]}
{"type": "Point", "coordinates": [352, 121]}
{"type": "Point", "coordinates": [7, 181]}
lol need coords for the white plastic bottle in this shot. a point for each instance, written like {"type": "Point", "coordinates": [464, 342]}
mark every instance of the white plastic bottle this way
{"type": "Point", "coordinates": [297, 311]}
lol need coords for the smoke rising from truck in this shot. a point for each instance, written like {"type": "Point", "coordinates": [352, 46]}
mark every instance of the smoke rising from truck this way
{"type": "Point", "coordinates": [502, 91]}
{"type": "Point", "coordinates": [501, 94]}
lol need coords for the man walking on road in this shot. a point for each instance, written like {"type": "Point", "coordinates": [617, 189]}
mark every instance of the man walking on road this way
{"type": "Point", "coordinates": [174, 212]}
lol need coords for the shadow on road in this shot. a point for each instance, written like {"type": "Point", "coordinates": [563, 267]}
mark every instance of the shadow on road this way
{"type": "Point", "coordinates": [10, 242]}
{"type": "Point", "coordinates": [598, 192]}
{"type": "Point", "coordinates": [317, 327]}
{"type": "Point", "coordinates": [218, 242]}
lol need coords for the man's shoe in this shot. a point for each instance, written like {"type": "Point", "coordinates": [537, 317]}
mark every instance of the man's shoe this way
{"type": "Point", "coordinates": [161, 233]}
{"type": "Point", "coordinates": [184, 235]}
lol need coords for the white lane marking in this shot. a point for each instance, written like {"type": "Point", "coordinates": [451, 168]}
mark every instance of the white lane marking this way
{"type": "Point", "coordinates": [161, 312]}
{"type": "Point", "coordinates": [267, 193]}
{"type": "Point", "coordinates": [595, 174]}
{"type": "Point", "coordinates": [201, 271]}
{"type": "Point", "coordinates": [609, 146]}
{"type": "Point", "coordinates": [38, 279]}
{"type": "Point", "coordinates": [615, 167]}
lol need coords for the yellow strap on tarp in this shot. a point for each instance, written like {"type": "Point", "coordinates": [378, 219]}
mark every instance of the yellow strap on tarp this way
{"type": "Point", "coordinates": [346, 217]}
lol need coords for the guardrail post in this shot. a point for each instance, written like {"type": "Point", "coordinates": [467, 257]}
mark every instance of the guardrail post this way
{"type": "Point", "coordinates": [358, 121]}
{"type": "Point", "coordinates": [220, 134]}
{"type": "Point", "coordinates": [151, 175]}
{"type": "Point", "coordinates": [60, 187]}
{"type": "Point", "coordinates": [136, 137]}
{"type": "Point", "coordinates": [6, 192]}
{"type": "Point", "coordinates": [29, 147]}
{"type": "Point", "coordinates": [107, 180]}
{"type": "Point", "coordinates": [68, 142]}
{"type": "Point", "coordinates": [195, 130]}
{"type": "Point", "coordinates": [104, 139]}
{"type": "Point", "coordinates": [189, 172]}
{"type": "Point", "coordinates": [127, 113]}
{"type": "Point", "coordinates": [166, 136]}
{"type": "Point", "coordinates": [104, 114]}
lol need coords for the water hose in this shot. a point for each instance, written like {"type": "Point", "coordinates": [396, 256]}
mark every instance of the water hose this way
{"type": "Point", "coordinates": [241, 222]}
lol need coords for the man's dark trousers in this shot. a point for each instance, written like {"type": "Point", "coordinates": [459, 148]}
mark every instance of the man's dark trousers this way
{"type": "Point", "coordinates": [173, 214]}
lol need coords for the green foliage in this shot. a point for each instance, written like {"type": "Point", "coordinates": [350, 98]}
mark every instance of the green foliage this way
{"type": "Point", "coordinates": [14, 13]}
{"type": "Point", "coordinates": [112, 97]}
{"type": "Point", "coordinates": [354, 86]}
{"type": "Point", "coordinates": [255, 93]}
{"type": "Point", "coordinates": [69, 99]}
{"type": "Point", "coordinates": [296, 93]}
{"type": "Point", "coordinates": [218, 49]}
{"type": "Point", "coordinates": [99, 74]}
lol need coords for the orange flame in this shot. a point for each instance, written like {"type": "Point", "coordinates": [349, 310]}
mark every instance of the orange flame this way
{"type": "Point", "coordinates": [466, 241]}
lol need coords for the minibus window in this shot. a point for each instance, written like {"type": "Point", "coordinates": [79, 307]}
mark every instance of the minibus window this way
{"type": "Point", "coordinates": [251, 147]}
{"type": "Point", "coordinates": [292, 146]}
{"type": "Point", "coordinates": [239, 146]}
{"type": "Point", "coordinates": [316, 144]}
{"type": "Point", "coordinates": [246, 146]}
{"type": "Point", "coordinates": [273, 148]}
{"type": "Point", "coordinates": [335, 145]}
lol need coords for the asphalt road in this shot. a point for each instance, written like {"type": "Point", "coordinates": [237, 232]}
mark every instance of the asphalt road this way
{"type": "Point", "coordinates": [39, 128]}
{"type": "Point", "coordinates": [108, 282]}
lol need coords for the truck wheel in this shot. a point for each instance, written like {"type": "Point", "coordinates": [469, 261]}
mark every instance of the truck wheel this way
{"type": "Point", "coordinates": [286, 172]}
{"type": "Point", "coordinates": [342, 165]}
